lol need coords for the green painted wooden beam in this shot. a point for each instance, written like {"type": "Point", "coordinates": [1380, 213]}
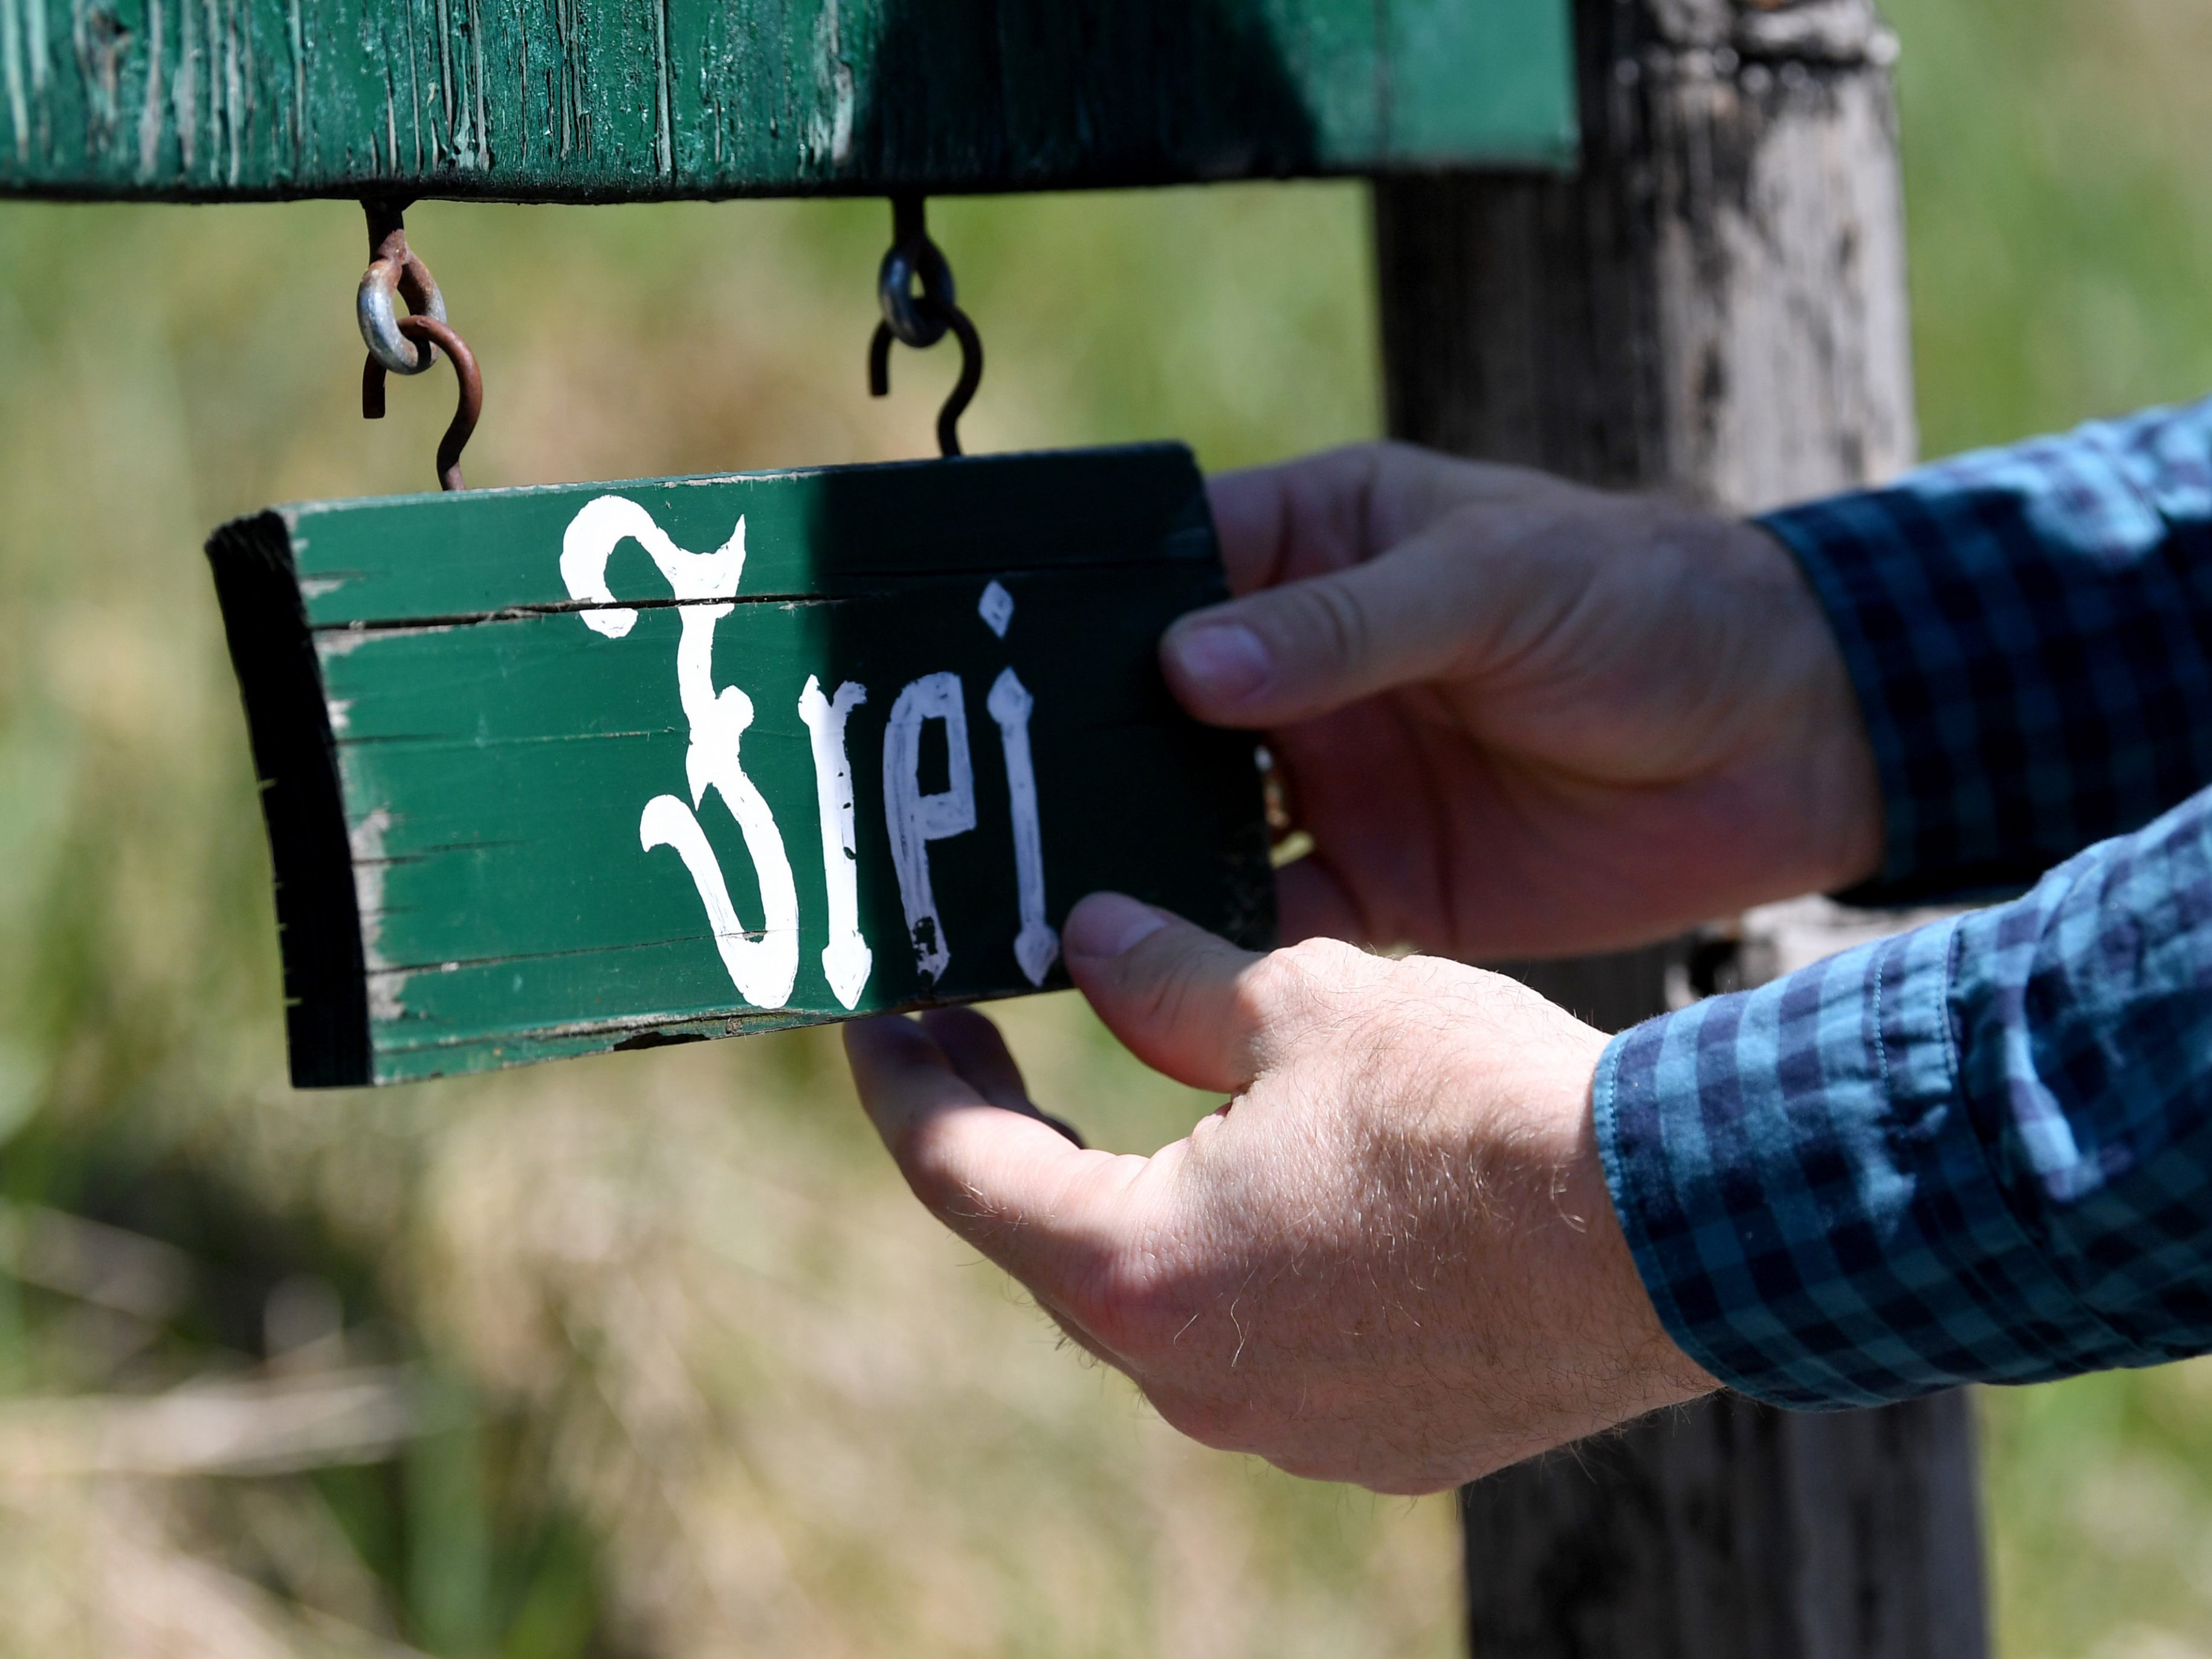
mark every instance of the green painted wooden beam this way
{"type": "Point", "coordinates": [596, 100]}
{"type": "Point", "coordinates": [552, 771]}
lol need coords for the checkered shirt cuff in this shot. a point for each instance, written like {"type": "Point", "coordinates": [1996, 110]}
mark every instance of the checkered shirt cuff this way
{"type": "Point", "coordinates": [2029, 631]}
{"type": "Point", "coordinates": [1980, 1151]}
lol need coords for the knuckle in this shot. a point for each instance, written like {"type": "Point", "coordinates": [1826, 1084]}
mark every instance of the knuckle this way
{"type": "Point", "coordinates": [1269, 994]}
{"type": "Point", "coordinates": [1266, 981]}
{"type": "Point", "coordinates": [1135, 1305]}
{"type": "Point", "coordinates": [1304, 981]}
{"type": "Point", "coordinates": [1332, 614]}
{"type": "Point", "coordinates": [1326, 961]}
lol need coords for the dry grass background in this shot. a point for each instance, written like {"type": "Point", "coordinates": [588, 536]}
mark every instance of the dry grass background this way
{"type": "Point", "coordinates": [651, 1355]}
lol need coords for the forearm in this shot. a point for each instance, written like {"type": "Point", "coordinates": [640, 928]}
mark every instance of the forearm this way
{"type": "Point", "coordinates": [1978, 1151]}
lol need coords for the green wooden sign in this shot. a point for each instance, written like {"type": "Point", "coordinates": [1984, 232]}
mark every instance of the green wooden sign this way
{"type": "Point", "coordinates": [552, 771]}
{"type": "Point", "coordinates": [591, 100]}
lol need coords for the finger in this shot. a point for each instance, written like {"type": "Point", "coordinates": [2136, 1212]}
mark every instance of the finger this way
{"type": "Point", "coordinates": [1326, 511]}
{"type": "Point", "coordinates": [1006, 1182]}
{"type": "Point", "coordinates": [976, 1051]}
{"type": "Point", "coordinates": [979, 1054]}
{"type": "Point", "coordinates": [1302, 650]}
{"type": "Point", "coordinates": [1278, 522]}
{"type": "Point", "coordinates": [1312, 902]}
{"type": "Point", "coordinates": [1251, 518]}
{"type": "Point", "coordinates": [1178, 996]}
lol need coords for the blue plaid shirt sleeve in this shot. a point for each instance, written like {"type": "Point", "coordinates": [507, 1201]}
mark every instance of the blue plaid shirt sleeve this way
{"type": "Point", "coordinates": [2029, 631]}
{"type": "Point", "coordinates": [1981, 1151]}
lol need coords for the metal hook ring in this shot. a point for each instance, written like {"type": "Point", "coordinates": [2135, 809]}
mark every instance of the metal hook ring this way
{"type": "Point", "coordinates": [388, 279]}
{"type": "Point", "coordinates": [951, 316]}
{"type": "Point", "coordinates": [946, 319]}
{"type": "Point", "coordinates": [431, 331]}
{"type": "Point", "coordinates": [906, 313]}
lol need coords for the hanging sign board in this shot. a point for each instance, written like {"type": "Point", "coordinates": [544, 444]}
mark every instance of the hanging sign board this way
{"type": "Point", "coordinates": [551, 771]}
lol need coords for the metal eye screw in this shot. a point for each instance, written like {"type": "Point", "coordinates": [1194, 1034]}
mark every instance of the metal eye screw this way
{"type": "Point", "coordinates": [395, 271]}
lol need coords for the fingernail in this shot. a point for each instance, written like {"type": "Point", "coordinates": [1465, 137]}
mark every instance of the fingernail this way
{"type": "Point", "coordinates": [1107, 925]}
{"type": "Point", "coordinates": [1224, 659]}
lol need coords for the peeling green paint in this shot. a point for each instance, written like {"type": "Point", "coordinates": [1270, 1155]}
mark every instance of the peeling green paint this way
{"type": "Point", "coordinates": [585, 101]}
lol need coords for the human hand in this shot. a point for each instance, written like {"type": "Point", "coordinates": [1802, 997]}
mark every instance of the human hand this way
{"type": "Point", "coordinates": [1521, 718]}
{"type": "Point", "coordinates": [1391, 1258]}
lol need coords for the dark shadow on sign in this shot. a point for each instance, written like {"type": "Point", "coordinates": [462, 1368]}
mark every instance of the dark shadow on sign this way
{"type": "Point", "coordinates": [1090, 554]}
{"type": "Point", "coordinates": [1043, 93]}
{"type": "Point", "coordinates": [1097, 551]}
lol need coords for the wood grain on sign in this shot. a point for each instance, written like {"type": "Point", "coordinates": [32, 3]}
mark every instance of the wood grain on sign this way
{"type": "Point", "coordinates": [552, 771]}
{"type": "Point", "coordinates": [596, 101]}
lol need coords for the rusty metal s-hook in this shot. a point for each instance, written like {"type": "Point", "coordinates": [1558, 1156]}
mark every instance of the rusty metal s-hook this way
{"type": "Point", "coordinates": [923, 320]}
{"type": "Point", "coordinates": [434, 336]}
{"type": "Point", "coordinates": [409, 344]}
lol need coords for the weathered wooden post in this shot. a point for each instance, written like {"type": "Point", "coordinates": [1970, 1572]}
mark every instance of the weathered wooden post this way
{"type": "Point", "coordinates": [1714, 305]}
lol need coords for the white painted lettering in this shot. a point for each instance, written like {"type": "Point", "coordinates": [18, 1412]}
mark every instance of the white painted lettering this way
{"type": "Point", "coordinates": [846, 960]}
{"type": "Point", "coordinates": [1037, 947]}
{"type": "Point", "coordinates": [764, 967]}
{"type": "Point", "coordinates": [913, 819]}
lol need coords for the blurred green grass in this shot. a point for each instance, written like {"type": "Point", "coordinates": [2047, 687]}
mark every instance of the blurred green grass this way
{"type": "Point", "coordinates": [676, 1367]}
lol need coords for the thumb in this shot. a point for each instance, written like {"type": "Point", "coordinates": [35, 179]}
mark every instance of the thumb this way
{"type": "Point", "coordinates": [1183, 1001]}
{"type": "Point", "coordinates": [1292, 653]}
